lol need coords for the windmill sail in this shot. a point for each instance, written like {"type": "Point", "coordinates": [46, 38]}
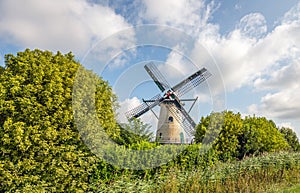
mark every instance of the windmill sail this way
{"type": "Point", "coordinates": [143, 108]}
{"type": "Point", "coordinates": [169, 131]}
{"type": "Point", "coordinates": [192, 81]}
{"type": "Point", "coordinates": [158, 78]}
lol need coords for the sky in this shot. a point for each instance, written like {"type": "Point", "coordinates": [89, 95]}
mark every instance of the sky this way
{"type": "Point", "coordinates": [252, 48]}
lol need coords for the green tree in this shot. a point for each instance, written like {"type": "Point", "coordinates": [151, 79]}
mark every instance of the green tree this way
{"type": "Point", "coordinates": [1, 69]}
{"type": "Point", "coordinates": [291, 138]}
{"type": "Point", "coordinates": [260, 135]}
{"type": "Point", "coordinates": [227, 144]}
{"type": "Point", "coordinates": [40, 146]}
{"type": "Point", "coordinates": [222, 131]}
{"type": "Point", "coordinates": [135, 131]}
{"type": "Point", "coordinates": [232, 136]}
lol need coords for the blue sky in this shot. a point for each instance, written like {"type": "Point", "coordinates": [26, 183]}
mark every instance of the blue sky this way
{"type": "Point", "coordinates": [253, 44]}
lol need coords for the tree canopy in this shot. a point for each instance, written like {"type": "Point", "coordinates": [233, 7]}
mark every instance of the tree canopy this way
{"type": "Point", "coordinates": [40, 147]}
{"type": "Point", "coordinates": [291, 137]}
{"type": "Point", "coordinates": [237, 137]}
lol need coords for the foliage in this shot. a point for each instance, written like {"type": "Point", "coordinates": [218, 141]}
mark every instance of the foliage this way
{"type": "Point", "coordinates": [1, 69]}
{"type": "Point", "coordinates": [47, 119]}
{"type": "Point", "coordinates": [188, 158]}
{"type": "Point", "coordinates": [40, 147]}
{"type": "Point", "coordinates": [227, 143]}
{"type": "Point", "coordinates": [256, 174]}
{"type": "Point", "coordinates": [260, 135]}
{"type": "Point", "coordinates": [291, 138]}
{"type": "Point", "coordinates": [134, 132]}
{"type": "Point", "coordinates": [234, 137]}
{"type": "Point", "coordinates": [139, 128]}
{"type": "Point", "coordinates": [222, 130]}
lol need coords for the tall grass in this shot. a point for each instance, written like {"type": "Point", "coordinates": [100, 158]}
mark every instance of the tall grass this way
{"type": "Point", "coordinates": [256, 174]}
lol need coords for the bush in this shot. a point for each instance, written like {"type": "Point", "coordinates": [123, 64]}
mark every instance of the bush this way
{"type": "Point", "coordinates": [40, 147]}
{"type": "Point", "coordinates": [233, 137]}
{"type": "Point", "coordinates": [291, 138]}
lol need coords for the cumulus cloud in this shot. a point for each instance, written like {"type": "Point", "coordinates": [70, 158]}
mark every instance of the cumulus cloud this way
{"type": "Point", "coordinates": [283, 102]}
{"type": "Point", "coordinates": [285, 77]}
{"type": "Point", "coordinates": [125, 106]}
{"type": "Point", "coordinates": [284, 105]}
{"type": "Point", "coordinates": [190, 15]}
{"type": "Point", "coordinates": [57, 25]}
{"type": "Point", "coordinates": [177, 65]}
{"type": "Point", "coordinates": [282, 79]}
{"type": "Point", "coordinates": [253, 25]}
{"type": "Point", "coordinates": [247, 53]}
{"type": "Point", "coordinates": [293, 15]}
{"type": "Point", "coordinates": [130, 103]}
{"type": "Point", "coordinates": [232, 52]}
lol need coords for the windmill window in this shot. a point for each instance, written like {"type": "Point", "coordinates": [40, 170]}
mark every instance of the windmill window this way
{"type": "Point", "coordinates": [160, 135]}
{"type": "Point", "coordinates": [170, 119]}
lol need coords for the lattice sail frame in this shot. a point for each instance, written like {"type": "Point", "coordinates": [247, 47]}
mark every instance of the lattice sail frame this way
{"type": "Point", "coordinates": [179, 90]}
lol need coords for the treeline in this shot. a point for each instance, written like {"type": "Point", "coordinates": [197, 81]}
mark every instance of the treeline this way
{"type": "Point", "coordinates": [235, 137]}
{"type": "Point", "coordinates": [44, 149]}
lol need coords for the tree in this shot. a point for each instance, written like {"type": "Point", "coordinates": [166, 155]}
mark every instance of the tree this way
{"type": "Point", "coordinates": [232, 136]}
{"type": "Point", "coordinates": [135, 131]}
{"type": "Point", "coordinates": [291, 138]}
{"type": "Point", "coordinates": [223, 130]}
{"type": "Point", "coordinates": [40, 147]}
{"type": "Point", "coordinates": [1, 69]}
{"type": "Point", "coordinates": [260, 135]}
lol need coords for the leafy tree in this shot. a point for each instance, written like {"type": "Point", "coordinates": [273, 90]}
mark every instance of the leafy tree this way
{"type": "Point", "coordinates": [40, 146]}
{"type": "Point", "coordinates": [139, 128]}
{"type": "Point", "coordinates": [291, 138]}
{"type": "Point", "coordinates": [135, 131]}
{"type": "Point", "coordinates": [227, 143]}
{"type": "Point", "coordinates": [209, 128]}
{"type": "Point", "coordinates": [232, 136]}
{"type": "Point", "coordinates": [222, 130]}
{"type": "Point", "coordinates": [260, 135]}
{"type": "Point", "coordinates": [1, 69]}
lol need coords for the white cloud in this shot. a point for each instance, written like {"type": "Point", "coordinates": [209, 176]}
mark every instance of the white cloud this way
{"type": "Point", "coordinates": [125, 106]}
{"type": "Point", "coordinates": [284, 105]}
{"type": "Point", "coordinates": [190, 15]}
{"type": "Point", "coordinates": [253, 25]}
{"type": "Point", "coordinates": [230, 54]}
{"type": "Point", "coordinates": [282, 79]}
{"type": "Point", "coordinates": [284, 102]}
{"type": "Point", "coordinates": [286, 124]}
{"type": "Point", "coordinates": [57, 25]}
{"type": "Point", "coordinates": [246, 53]}
{"type": "Point", "coordinates": [176, 65]}
{"type": "Point", "coordinates": [131, 103]}
{"type": "Point", "coordinates": [293, 15]}
{"type": "Point", "coordinates": [286, 77]}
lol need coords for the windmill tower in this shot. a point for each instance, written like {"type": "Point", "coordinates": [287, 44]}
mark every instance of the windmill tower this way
{"type": "Point", "coordinates": [174, 122]}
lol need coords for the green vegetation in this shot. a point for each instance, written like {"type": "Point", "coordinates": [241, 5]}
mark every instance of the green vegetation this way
{"type": "Point", "coordinates": [236, 137]}
{"type": "Point", "coordinates": [134, 132]}
{"type": "Point", "coordinates": [294, 189]}
{"type": "Point", "coordinates": [40, 148]}
{"type": "Point", "coordinates": [44, 149]}
{"type": "Point", "coordinates": [291, 137]}
{"type": "Point", "coordinates": [256, 174]}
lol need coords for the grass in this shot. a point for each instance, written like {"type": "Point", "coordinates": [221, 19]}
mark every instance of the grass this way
{"type": "Point", "coordinates": [266, 173]}
{"type": "Point", "coordinates": [293, 189]}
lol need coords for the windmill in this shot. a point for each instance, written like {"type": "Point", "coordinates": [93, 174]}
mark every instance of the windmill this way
{"type": "Point", "coordinates": [173, 119]}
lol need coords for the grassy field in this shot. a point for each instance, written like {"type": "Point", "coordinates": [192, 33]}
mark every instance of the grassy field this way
{"type": "Point", "coordinates": [266, 173]}
{"type": "Point", "coordinates": [293, 189]}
